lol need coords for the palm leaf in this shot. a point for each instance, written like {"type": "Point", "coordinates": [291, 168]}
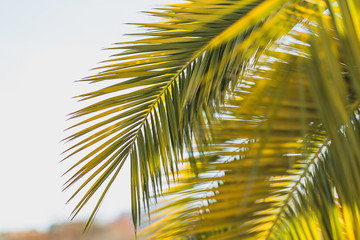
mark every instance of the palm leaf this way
{"type": "Point", "coordinates": [254, 149]}
{"type": "Point", "coordinates": [326, 204]}
{"type": "Point", "coordinates": [158, 89]}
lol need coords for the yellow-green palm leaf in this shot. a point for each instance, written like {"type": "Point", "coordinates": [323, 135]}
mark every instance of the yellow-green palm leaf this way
{"type": "Point", "coordinates": [158, 90]}
{"type": "Point", "coordinates": [249, 95]}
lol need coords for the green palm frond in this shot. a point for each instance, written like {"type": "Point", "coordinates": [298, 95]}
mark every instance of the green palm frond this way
{"type": "Point", "coordinates": [159, 88]}
{"type": "Point", "coordinates": [250, 104]}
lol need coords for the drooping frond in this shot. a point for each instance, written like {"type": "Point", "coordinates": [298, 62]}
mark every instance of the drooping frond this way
{"type": "Point", "coordinates": [160, 87]}
{"type": "Point", "coordinates": [257, 97]}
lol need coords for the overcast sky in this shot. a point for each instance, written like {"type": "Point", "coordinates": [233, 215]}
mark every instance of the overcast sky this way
{"type": "Point", "coordinates": [45, 45]}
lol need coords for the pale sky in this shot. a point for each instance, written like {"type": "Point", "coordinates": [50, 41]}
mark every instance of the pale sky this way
{"type": "Point", "coordinates": [45, 45]}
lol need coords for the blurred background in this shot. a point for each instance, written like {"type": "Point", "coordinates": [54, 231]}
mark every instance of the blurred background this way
{"type": "Point", "coordinates": [45, 45]}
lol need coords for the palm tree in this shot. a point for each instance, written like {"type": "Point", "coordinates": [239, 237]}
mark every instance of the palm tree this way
{"type": "Point", "coordinates": [240, 119]}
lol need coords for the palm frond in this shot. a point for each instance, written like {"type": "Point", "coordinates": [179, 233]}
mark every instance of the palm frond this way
{"type": "Point", "coordinates": [327, 202]}
{"type": "Point", "coordinates": [159, 88]}
{"type": "Point", "coordinates": [255, 151]}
